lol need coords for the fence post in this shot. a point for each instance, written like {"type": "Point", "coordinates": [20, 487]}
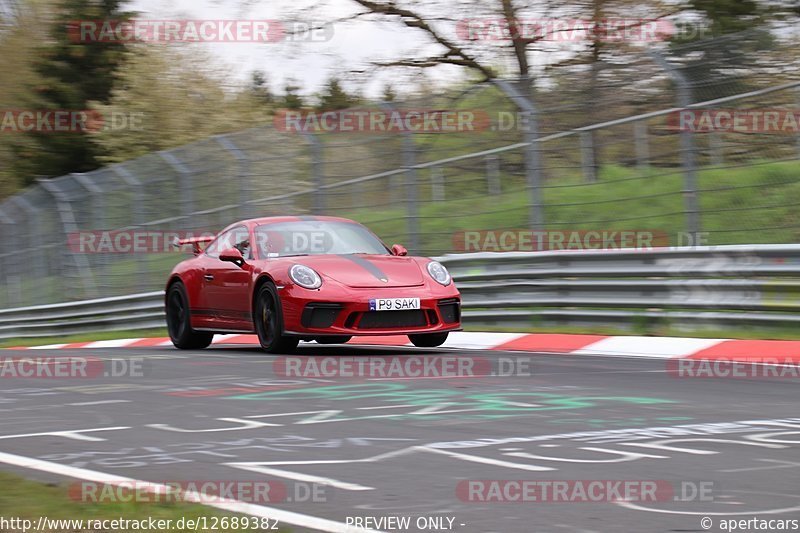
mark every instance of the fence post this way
{"type": "Point", "coordinates": [412, 185]}
{"type": "Point", "coordinates": [69, 225]}
{"type": "Point", "coordinates": [37, 260]}
{"type": "Point", "coordinates": [437, 184]}
{"type": "Point", "coordinates": [186, 186]}
{"type": "Point", "coordinates": [135, 187]}
{"type": "Point", "coordinates": [493, 185]}
{"type": "Point", "coordinates": [715, 148]}
{"type": "Point", "coordinates": [317, 172]}
{"type": "Point", "coordinates": [9, 258]}
{"type": "Point", "coordinates": [245, 190]}
{"type": "Point", "coordinates": [98, 218]}
{"type": "Point", "coordinates": [533, 167]}
{"type": "Point", "coordinates": [797, 103]}
{"type": "Point", "coordinates": [684, 101]}
{"type": "Point", "coordinates": [642, 143]}
{"type": "Point", "coordinates": [587, 156]}
{"type": "Point", "coordinates": [412, 207]}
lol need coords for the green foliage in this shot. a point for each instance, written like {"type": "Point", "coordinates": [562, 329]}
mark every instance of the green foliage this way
{"type": "Point", "coordinates": [730, 16]}
{"type": "Point", "coordinates": [388, 93]}
{"type": "Point", "coordinates": [291, 96]}
{"type": "Point", "coordinates": [71, 77]}
{"type": "Point", "coordinates": [333, 97]}
{"type": "Point", "coordinates": [260, 87]}
{"type": "Point", "coordinates": [173, 100]}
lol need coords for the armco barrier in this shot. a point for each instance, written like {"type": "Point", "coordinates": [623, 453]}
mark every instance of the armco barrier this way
{"type": "Point", "coordinates": [723, 286]}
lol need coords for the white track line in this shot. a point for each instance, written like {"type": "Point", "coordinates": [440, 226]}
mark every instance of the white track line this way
{"type": "Point", "coordinates": [234, 506]}
{"type": "Point", "coordinates": [653, 347]}
{"type": "Point", "coordinates": [113, 343]}
{"type": "Point", "coordinates": [297, 476]}
{"type": "Point", "coordinates": [47, 347]}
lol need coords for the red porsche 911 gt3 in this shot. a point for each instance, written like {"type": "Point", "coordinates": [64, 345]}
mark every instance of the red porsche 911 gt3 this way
{"type": "Point", "coordinates": [298, 278]}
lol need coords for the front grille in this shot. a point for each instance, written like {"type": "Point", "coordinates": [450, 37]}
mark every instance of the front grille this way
{"type": "Point", "coordinates": [450, 310]}
{"type": "Point", "coordinates": [319, 314]}
{"type": "Point", "coordinates": [408, 318]}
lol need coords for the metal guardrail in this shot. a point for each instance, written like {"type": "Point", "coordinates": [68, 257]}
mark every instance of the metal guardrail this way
{"type": "Point", "coordinates": [131, 312]}
{"type": "Point", "coordinates": [723, 286]}
{"type": "Point", "coordinates": [710, 286]}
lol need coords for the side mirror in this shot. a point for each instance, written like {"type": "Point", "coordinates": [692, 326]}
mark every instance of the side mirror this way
{"type": "Point", "coordinates": [232, 255]}
{"type": "Point", "coordinates": [399, 249]}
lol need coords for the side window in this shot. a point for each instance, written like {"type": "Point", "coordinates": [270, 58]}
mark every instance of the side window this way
{"type": "Point", "coordinates": [233, 238]}
{"type": "Point", "coordinates": [241, 241]}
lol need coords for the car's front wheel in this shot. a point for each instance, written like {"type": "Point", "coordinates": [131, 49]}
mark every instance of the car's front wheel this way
{"type": "Point", "coordinates": [179, 323]}
{"type": "Point", "coordinates": [428, 340]}
{"type": "Point", "coordinates": [268, 321]}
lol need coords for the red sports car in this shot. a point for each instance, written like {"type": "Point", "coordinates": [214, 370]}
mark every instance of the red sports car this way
{"type": "Point", "coordinates": [298, 278]}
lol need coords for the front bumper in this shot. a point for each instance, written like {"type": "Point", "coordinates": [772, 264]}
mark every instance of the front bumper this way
{"type": "Point", "coordinates": [313, 314]}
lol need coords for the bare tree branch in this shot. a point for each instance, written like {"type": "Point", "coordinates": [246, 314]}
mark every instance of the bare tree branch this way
{"type": "Point", "coordinates": [455, 54]}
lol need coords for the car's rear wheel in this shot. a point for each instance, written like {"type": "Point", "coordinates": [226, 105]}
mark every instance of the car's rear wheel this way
{"type": "Point", "coordinates": [333, 339]}
{"type": "Point", "coordinates": [268, 321]}
{"type": "Point", "coordinates": [179, 323]}
{"type": "Point", "coordinates": [428, 340]}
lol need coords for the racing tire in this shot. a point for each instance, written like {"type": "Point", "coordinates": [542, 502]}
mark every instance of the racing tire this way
{"type": "Point", "coordinates": [428, 340]}
{"type": "Point", "coordinates": [268, 322]}
{"type": "Point", "coordinates": [179, 323]}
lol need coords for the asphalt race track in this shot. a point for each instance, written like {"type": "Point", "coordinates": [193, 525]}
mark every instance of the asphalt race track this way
{"type": "Point", "coordinates": [399, 447]}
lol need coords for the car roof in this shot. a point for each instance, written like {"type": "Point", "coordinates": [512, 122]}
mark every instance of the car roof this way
{"type": "Point", "coordinates": [251, 222]}
{"type": "Point", "coordinates": [295, 218]}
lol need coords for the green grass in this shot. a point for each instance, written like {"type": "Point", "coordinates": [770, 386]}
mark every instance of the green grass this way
{"type": "Point", "coordinates": [85, 337]}
{"type": "Point", "coordinates": [739, 205]}
{"type": "Point", "coordinates": [26, 499]}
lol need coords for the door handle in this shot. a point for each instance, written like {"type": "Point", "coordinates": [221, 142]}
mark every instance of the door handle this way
{"type": "Point", "coordinates": [209, 277]}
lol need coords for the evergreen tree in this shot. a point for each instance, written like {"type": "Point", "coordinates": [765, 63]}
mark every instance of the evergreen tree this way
{"type": "Point", "coordinates": [334, 97]}
{"type": "Point", "coordinates": [74, 75]}
{"type": "Point", "coordinates": [260, 87]}
{"type": "Point", "coordinates": [388, 93]}
{"type": "Point", "coordinates": [291, 96]}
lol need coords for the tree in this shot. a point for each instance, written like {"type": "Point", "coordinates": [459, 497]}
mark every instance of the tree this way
{"type": "Point", "coordinates": [73, 76]}
{"type": "Point", "coordinates": [334, 97]}
{"type": "Point", "coordinates": [169, 98]}
{"type": "Point", "coordinates": [260, 87]}
{"type": "Point", "coordinates": [291, 96]}
{"type": "Point", "coordinates": [19, 48]}
{"type": "Point", "coordinates": [388, 93]}
{"type": "Point", "coordinates": [730, 16]}
{"type": "Point", "coordinates": [502, 21]}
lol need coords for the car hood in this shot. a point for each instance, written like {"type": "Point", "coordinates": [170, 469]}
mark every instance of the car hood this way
{"type": "Point", "coordinates": [366, 271]}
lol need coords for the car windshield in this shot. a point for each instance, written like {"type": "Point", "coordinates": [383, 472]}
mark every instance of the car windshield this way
{"type": "Point", "coordinates": [286, 239]}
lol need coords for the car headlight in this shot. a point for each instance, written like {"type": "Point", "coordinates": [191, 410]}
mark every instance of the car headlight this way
{"type": "Point", "coordinates": [305, 277]}
{"type": "Point", "coordinates": [439, 273]}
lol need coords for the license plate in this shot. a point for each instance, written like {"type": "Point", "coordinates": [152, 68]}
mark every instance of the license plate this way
{"type": "Point", "coordinates": [393, 304]}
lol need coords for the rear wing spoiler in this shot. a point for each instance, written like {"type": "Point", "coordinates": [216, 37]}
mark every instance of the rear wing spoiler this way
{"type": "Point", "coordinates": [195, 242]}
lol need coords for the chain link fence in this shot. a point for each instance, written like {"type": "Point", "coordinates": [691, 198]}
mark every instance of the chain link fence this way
{"type": "Point", "coordinates": [603, 147]}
